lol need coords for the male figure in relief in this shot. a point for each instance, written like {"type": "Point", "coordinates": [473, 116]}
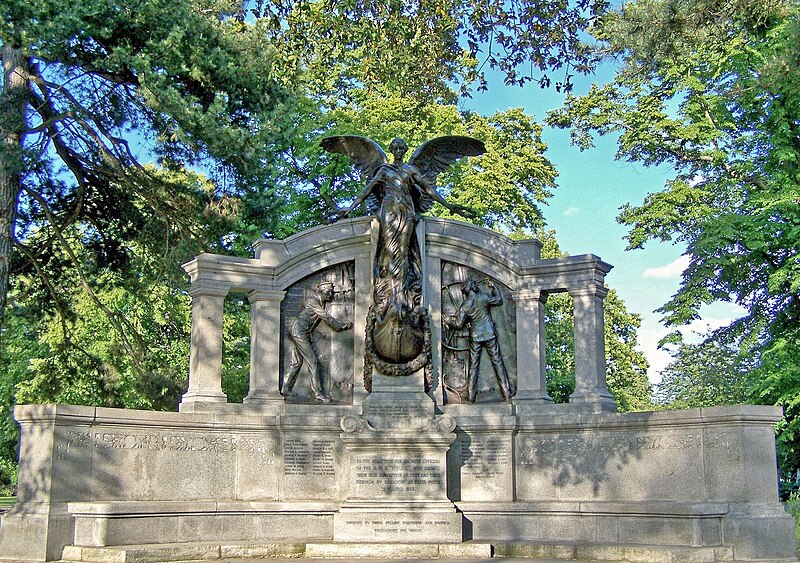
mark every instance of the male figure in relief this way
{"type": "Point", "coordinates": [475, 311]}
{"type": "Point", "coordinates": [301, 335]}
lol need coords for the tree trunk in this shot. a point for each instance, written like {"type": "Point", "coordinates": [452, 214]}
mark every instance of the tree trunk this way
{"type": "Point", "coordinates": [12, 130]}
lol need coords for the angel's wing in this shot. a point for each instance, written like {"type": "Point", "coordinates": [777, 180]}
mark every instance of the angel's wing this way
{"type": "Point", "coordinates": [436, 155]}
{"type": "Point", "coordinates": [365, 154]}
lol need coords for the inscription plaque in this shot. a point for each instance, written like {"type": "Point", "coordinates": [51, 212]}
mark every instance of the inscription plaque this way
{"type": "Point", "coordinates": [485, 456]}
{"type": "Point", "coordinates": [398, 526]}
{"type": "Point", "coordinates": [396, 416]}
{"type": "Point", "coordinates": [303, 456]}
{"type": "Point", "coordinates": [397, 475]}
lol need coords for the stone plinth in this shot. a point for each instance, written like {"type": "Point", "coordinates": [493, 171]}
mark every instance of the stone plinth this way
{"type": "Point", "coordinates": [400, 463]}
{"type": "Point", "coordinates": [397, 455]}
{"type": "Point", "coordinates": [397, 403]}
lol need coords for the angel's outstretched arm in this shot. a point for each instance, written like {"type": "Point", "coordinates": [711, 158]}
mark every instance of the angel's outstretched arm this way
{"type": "Point", "coordinates": [430, 190]}
{"type": "Point", "coordinates": [361, 198]}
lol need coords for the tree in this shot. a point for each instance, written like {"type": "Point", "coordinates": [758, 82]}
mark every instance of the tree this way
{"type": "Point", "coordinates": [417, 48]}
{"type": "Point", "coordinates": [710, 373]}
{"type": "Point", "coordinates": [90, 86]}
{"type": "Point", "coordinates": [709, 88]}
{"type": "Point", "coordinates": [705, 88]}
{"type": "Point", "coordinates": [776, 381]}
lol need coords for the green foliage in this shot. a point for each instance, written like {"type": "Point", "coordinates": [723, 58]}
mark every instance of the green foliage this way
{"type": "Point", "coordinates": [626, 367]}
{"type": "Point", "coordinates": [416, 48]}
{"type": "Point", "coordinates": [776, 381]}
{"type": "Point", "coordinates": [107, 83]}
{"type": "Point", "coordinates": [708, 91]}
{"type": "Point", "coordinates": [713, 372]}
{"type": "Point", "coordinates": [711, 89]}
{"type": "Point", "coordinates": [560, 347]}
{"type": "Point", "coordinates": [793, 507]}
{"type": "Point", "coordinates": [236, 347]}
{"type": "Point", "coordinates": [91, 363]}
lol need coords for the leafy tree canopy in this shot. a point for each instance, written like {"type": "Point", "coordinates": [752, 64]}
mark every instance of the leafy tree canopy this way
{"type": "Point", "coordinates": [421, 48]}
{"type": "Point", "coordinates": [92, 89]}
{"type": "Point", "coordinates": [710, 88]}
{"type": "Point", "coordinates": [706, 88]}
{"type": "Point", "coordinates": [710, 373]}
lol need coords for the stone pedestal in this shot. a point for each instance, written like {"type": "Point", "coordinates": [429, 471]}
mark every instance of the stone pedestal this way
{"type": "Point", "coordinates": [397, 454]}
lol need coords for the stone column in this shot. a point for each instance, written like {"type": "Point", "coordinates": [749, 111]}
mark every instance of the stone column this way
{"type": "Point", "coordinates": [432, 300]}
{"type": "Point", "coordinates": [265, 346]}
{"type": "Point", "coordinates": [205, 357]}
{"type": "Point", "coordinates": [531, 362]}
{"type": "Point", "coordinates": [362, 300]}
{"type": "Point", "coordinates": [590, 354]}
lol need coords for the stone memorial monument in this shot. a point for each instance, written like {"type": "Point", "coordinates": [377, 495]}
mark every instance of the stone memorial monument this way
{"type": "Point", "coordinates": [397, 407]}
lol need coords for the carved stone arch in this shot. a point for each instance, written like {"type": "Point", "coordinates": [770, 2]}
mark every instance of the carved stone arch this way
{"type": "Point", "coordinates": [491, 253]}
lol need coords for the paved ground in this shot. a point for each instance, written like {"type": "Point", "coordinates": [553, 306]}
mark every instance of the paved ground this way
{"type": "Point", "coordinates": [495, 560]}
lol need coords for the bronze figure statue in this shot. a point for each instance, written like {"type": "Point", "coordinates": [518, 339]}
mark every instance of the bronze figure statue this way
{"type": "Point", "coordinates": [398, 331]}
{"type": "Point", "coordinates": [475, 311]}
{"type": "Point", "coordinates": [301, 335]}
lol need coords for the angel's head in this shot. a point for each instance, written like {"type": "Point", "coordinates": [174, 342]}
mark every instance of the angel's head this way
{"type": "Point", "coordinates": [398, 148]}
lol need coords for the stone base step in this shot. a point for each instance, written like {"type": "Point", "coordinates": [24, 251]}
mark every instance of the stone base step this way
{"type": "Point", "coordinates": [603, 552]}
{"type": "Point", "coordinates": [350, 551]}
{"type": "Point", "coordinates": [162, 553]}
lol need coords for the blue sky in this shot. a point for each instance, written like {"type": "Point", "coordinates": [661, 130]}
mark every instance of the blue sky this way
{"type": "Point", "coordinates": [592, 186]}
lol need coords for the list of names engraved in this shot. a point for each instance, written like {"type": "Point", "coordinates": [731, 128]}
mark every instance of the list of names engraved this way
{"type": "Point", "coordinates": [322, 457]}
{"type": "Point", "coordinates": [302, 456]}
{"type": "Point", "coordinates": [485, 456]}
{"type": "Point", "coordinates": [296, 456]}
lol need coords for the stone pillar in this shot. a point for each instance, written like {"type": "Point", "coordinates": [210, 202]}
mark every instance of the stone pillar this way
{"type": "Point", "coordinates": [362, 299]}
{"type": "Point", "coordinates": [590, 354]}
{"type": "Point", "coordinates": [205, 358]}
{"type": "Point", "coordinates": [531, 362]}
{"type": "Point", "coordinates": [432, 300]}
{"type": "Point", "coordinates": [265, 346]}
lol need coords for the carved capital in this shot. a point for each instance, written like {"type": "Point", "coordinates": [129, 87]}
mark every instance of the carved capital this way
{"type": "Point", "coordinates": [528, 294]}
{"type": "Point", "coordinates": [442, 423]}
{"type": "Point", "coordinates": [591, 290]}
{"type": "Point", "coordinates": [208, 290]}
{"type": "Point", "coordinates": [265, 295]}
{"type": "Point", "coordinates": [352, 424]}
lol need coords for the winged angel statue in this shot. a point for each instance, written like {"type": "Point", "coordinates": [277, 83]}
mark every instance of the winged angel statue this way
{"type": "Point", "coordinates": [398, 328]}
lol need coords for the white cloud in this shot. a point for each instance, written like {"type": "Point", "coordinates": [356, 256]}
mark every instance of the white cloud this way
{"type": "Point", "coordinates": [649, 335]}
{"type": "Point", "coordinates": [697, 180]}
{"type": "Point", "coordinates": [671, 270]}
{"type": "Point", "coordinates": [571, 211]}
{"type": "Point", "coordinates": [697, 330]}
